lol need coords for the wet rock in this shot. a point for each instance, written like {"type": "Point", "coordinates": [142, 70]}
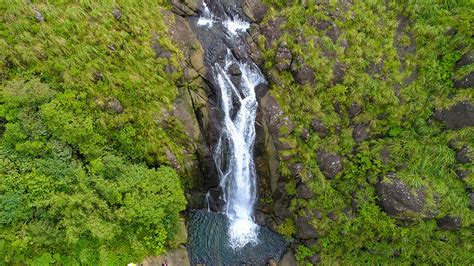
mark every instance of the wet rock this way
{"type": "Point", "coordinates": [465, 155]}
{"type": "Point", "coordinates": [458, 116]}
{"type": "Point", "coordinates": [398, 200]}
{"type": "Point", "coordinates": [304, 229]}
{"type": "Point", "coordinates": [234, 70]}
{"type": "Point", "coordinates": [215, 199]}
{"type": "Point", "coordinates": [260, 218]}
{"type": "Point", "coordinates": [288, 259]}
{"type": "Point", "coordinates": [320, 128]}
{"type": "Point", "coordinates": [330, 164]}
{"type": "Point", "coordinates": [360, 133]}
{"type": "Point", "coordinates": [117, 13]}
{"type": "Point", "coordinates": [254, 50]}
{"type": "Point", "coordinates": [354, 110]}
{"type": "Point", "coordinates": [115, 106]}
{"type": "Point", "coordinates": [304, 192]}
{"type": "Point", "coordinates": [283, 58]}
{"type": "Point", "coordinates": [304, 75]}
{"type": "Point", "coordinates": [261, 90]}
{"type": "Point", "coordinates": [466, 59]}
{"type": "Point", "coordinates": [255, 10]}
{"type": "Point", "coordinates": [467, 81]}
{"type": "Point", "coordinates": [449, 223]}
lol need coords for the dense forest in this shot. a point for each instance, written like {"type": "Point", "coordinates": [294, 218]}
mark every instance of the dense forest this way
{"type": "Point", "coordinates": [103, 129]}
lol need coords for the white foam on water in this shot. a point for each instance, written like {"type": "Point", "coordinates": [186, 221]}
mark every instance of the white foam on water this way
{"type": "Point", "coordinates": [207, 18]}
{"type": "Point", "coordinates": [233, 153]}
{"type": "Point", "coordinates": [235, 25]}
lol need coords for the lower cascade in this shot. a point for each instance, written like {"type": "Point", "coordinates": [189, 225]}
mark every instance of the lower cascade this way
{"type": "Point", "coordinates": [231, 236]}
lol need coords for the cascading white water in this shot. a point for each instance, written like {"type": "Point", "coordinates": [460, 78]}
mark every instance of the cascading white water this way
{"type": "Point", "coordinates": [233, 154]}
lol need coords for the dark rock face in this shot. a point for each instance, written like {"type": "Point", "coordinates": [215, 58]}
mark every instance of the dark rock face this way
{"type": "Point", "coordinates": [320, 128]}
{"type": "Point", "coordinates": [115, 106]}
{"type": "Point", "coordinates": [255, 10]}
{"type": "Point", "coordinates": [330, 164]}
{"type": "Point", "coordinates": [467, 81]}
{"type": "Point", "coordinates": [304, 229]}
{"type": "Point", "coordinates": [449, 223]}
{"type": "Point", "coordinates": [304, 75]}
{"type": "Point", "coordinates": [283, 58]}
{"type": "Point", "coordinates": [354, 110]}
{"type": "Point", "coordinates": [398, 200]}
{"type": "Point", "coordinates": [462, 174]}
{"type": "Point", "coordinates": [304, 192]}
{"type": "Point", "coordinates": [360, 133]}
{"type": "Point", "coordinates": [466, 59]}
{"type": "Point", "coordinates": [272, 31]}
{"type": "Point", "coordinates": [458, 116]}
{"type": "Point", "coordinates": [275, 117]}
{"type": "Point", "coordinates": [465, 155]}
{"type": "Point", "coordinates": [188, 8]}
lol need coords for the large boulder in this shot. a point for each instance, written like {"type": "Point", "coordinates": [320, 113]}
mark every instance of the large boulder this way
{"type": "Point", "coordinates": [360, 133]}
{"type": "Point", "coordinates": [288, 259]}
{"type": "Point", "coordinates": [329, 163]}
{"type": "Point", "coordinates": [304, 192]}
{"type": "Point", "coordinates": [465, 82]}
{"type": "Point", "coordinates": [304, 75]}
{"type": "Point", "coordinates": [283, 58]}
{"type": "Point", "coordinates": [458, 116]}
{"type": "Point", "coordinates": [320, 128]}
{"type": "Point", "coordinates": [304, 229]}
{"type": "Point", "coordinates": [449, 223]}
{"type": "Point", "coordinates": [399, 200]}
{"type": "Point", "coordinates": [465, 155]}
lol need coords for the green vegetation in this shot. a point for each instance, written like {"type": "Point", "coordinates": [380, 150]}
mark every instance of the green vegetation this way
{"type": "Point", "coordinates": [398, 75]}
{"type": "Point", "coordinates": [83, 166]}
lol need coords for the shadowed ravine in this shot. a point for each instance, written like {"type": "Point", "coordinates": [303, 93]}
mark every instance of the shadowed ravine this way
{"type": "Point", "coordinates": [233, 77]}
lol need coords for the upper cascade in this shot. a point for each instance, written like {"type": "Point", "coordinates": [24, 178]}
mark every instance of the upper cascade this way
{"type": "Point", "coordinates": [233, 152]}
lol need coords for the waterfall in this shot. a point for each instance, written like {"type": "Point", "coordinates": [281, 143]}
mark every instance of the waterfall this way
{"type": "Point", "coordinates": [233, 153]}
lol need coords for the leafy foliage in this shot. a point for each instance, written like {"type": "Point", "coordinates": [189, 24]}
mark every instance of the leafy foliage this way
{"type": "Point", "coordinates": [398, 62]}
{"type": "Point", "coordinates": [81, 183]}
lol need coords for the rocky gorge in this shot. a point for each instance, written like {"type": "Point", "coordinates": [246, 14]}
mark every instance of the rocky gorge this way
{"type": "Point", "coordinates": [364, 131]}
{"type": "Point", "coordinates": [280, 188]}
